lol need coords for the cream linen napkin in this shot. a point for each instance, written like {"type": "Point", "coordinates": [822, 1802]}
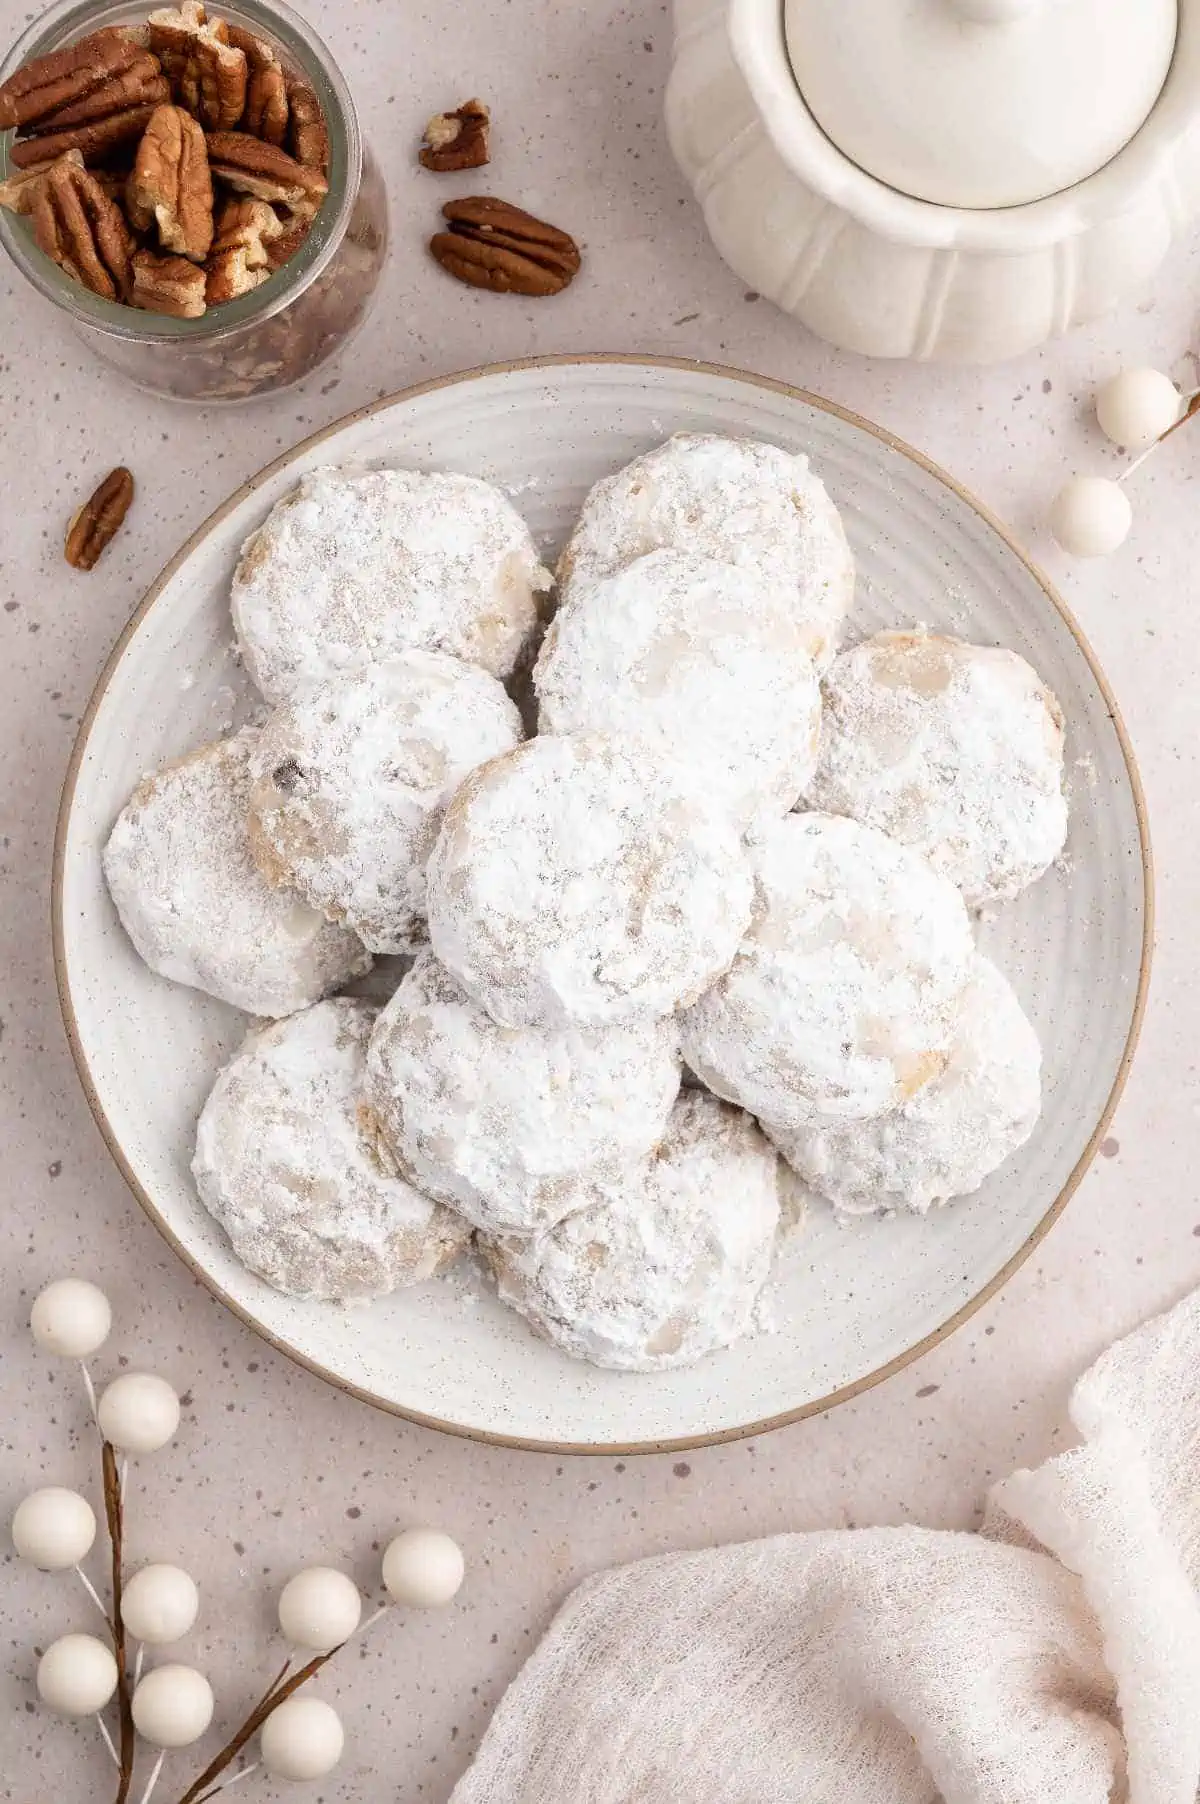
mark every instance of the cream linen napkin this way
{"type": "Point", "coordinates": [1053, 1658]}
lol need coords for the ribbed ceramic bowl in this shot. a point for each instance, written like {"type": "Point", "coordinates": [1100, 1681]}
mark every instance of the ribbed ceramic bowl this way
{"type": "Point", "coordinates": [851, 1304]}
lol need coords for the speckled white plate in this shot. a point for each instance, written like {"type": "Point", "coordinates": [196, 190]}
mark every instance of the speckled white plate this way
{"type": "Point", "coordinates": [852, 1304]}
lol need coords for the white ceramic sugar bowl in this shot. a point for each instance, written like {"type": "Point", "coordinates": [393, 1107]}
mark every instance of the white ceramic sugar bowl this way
{"type": "Point", "coordinates": [952, 179]}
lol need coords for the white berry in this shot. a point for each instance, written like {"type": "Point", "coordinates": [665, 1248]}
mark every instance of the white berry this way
{"type": "Point", "coordinates": [160, 1604]}
{"type": "Point", "coordinates": [71, 1317]}
{"type": "Point", "coordinates": [54, 1528]}
{"type": "Point", "coordinates": [1091, 516]}
{"type": "Point", "coordinates": [76, 1675]}
{"type": "Point", "coordinates": [319, 1609]}
{"type": "Point", "coordinates": [173, 1706]}
{"type": "Point", "coordinates": [1137, 407]}
{"type": "Point", "coordinates": [423, 1567]}
{"type": "Point", "coordinates": [138, 1412]}
{"type": "Point", "coordinates": [302, 1739]}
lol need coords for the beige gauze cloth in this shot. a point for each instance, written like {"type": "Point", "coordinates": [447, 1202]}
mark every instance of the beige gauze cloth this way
{"type": "Point", "coordinates": [1053, 1658]}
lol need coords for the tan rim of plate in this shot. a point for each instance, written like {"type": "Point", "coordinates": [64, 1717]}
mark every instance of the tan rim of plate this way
{"type": "Point", "coordinates": [769, 1422]}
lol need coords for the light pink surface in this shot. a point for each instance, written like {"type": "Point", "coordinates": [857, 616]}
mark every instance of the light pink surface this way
{"type": "Point", "coordinates": [272, 1469]}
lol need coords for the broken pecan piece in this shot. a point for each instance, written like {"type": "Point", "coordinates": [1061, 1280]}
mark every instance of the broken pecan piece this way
{"type": "Point", "coordinates": [457, 140]}
{"type": "Point", "coordinates": [169, 285]}
{"type": "Point", "coordinates": [76, 224]}
{"type": "Point", "coordinates": [64, 77]}
{"type": "Point", "coordinates": [263, 170]}
{"type": "Point", "coordinates": [493, 245]}
{"type": "Point", "coordinates": [171, 187]}
{"type": "Point", "coordinates": [18, 192]}
{"type": "Point", "coordinates": [240, 259]}
{"type": "Point", "coordinates": [309, 135]}
{"type": "Point", "coordinates": [141, 84]}
{"type": "Point", "coordinates": [95, 140]}
{"type": "Point", "coordinates": [99, 519]}
{"type": "Point", "coordinates": [207, 73]}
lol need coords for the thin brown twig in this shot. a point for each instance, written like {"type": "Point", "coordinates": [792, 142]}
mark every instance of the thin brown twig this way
{"type": "Point", "coordinates": [114, 1515]}
{"type": "Point", "coordinates": [280, 1688]}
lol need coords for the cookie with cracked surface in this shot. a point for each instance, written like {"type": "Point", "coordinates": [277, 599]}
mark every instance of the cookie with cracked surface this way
{"type": "Point", "coordinates": [289, 1167]}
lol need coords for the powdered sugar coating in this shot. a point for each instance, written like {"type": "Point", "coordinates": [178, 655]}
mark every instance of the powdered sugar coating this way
{"type": "Point", "coordinates": [510, 1125]}
{"type": "Point", "coordinates": [352, 775]}
{"type": "Point", "coordinates": [583, 881]}
{"type": "Point", "coordinates": [733, 499]}
{"type": "Point", "coordinates": [196, 906]}
{"type": "Point", "coordinates": [954, 749]}
{"type": "Point", "coordinates": [288, 1166]}
{"type": "Point", "coordinates": [843, 997]}
{"type": "Point", "coordinates": [356, 565]}
{"type": "Point", "coordinates": [670, 1266]}
{"type": "Point", "coordinates": [689, 654]}
{"type": "Point", "coordinates": [944, 1141]}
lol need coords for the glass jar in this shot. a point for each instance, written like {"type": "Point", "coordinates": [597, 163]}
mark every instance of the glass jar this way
{"type": "Point", "coordinates": [280, 331]}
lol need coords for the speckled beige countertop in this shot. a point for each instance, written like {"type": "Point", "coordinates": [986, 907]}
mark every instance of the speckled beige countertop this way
{"type": "Point", "coordinates": [271, 1468]}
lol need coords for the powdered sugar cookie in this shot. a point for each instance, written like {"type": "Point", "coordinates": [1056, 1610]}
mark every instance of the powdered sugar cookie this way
{"type": "Point", "coordinates": [356, 565]}
{"type": "Point", "coordinates": [582, 881]}
{"type": "Point", "coordinates": [732, 499]}
{"type": "Point", "coordinates": [510, 1125]}
{"type": "Point", "coordinates": [944, 1141]}
{"type": "Point", "coordinates": [954, 749]}
{"type": "Point", "coordinates": [686, 653]}
{"type": "Point", "coordinates": [195, 904]}
{"type": "Point", "coordinates": [351, 777]}
{"type": "Point", "coordinates": [289, 1168]}
{"type": "Point", "coordinates": [843, 997]}
{"type": "Point", "coordinates": [671, 1266]}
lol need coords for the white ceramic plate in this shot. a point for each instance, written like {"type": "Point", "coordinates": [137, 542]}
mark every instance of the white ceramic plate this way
{"type": "Point", "coordinates": [852, 1304]}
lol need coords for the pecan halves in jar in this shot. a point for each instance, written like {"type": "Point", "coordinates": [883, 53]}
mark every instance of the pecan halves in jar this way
{"type": "Point", "coordinates": [240, 259]}
{"type": "Point", "coordinates": [208, 74]}
{"type": "Point", "coordinates": [169, 285]}
{"type": "Point", "coordinates": [307, 131]}
{"type": "Point", "coordinates": [267, 111]}
{"type": "Point", "coordinates": [99, 519]}
{"type": "Point", "coordinates": [65, 77]}
{"type": "Point", "coordinates": [94, 140]}
{"type": "Point", "coordinates": [263, 170]}
{"type": "Point", "coordinates": [171, 186]}
{"type": "Point", "coordinates": [18, 193]}
{"type": "Point", "coordinates": [141, 84]}
{"type": "Point", "coordinates": [83, 231]}
{"type": "Point", "coordinates": [493, 245]}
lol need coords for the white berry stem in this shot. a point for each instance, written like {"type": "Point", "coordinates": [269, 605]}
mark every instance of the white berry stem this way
{"type": "Point", "coordinates": [92, 1592]}
{"type": "Point", "coordinates": [109, 1742]}
{"type": "Point", "coordinates": [1191, 403]}
{"type": "Point", "coordinates": [228, 1784]}
{"type": "Point", "coordinates": [372, 1620]}
{"type": "Point", "coordinates": [138, 1663]}
{"type": "Point", "coordinates": [153, 1779]}
{"type": "Point", "coordinates": [90, 1388]}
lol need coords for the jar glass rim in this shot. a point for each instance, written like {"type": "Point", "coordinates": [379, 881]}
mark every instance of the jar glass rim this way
{"type": "Point", "coordinates": [308, 54]}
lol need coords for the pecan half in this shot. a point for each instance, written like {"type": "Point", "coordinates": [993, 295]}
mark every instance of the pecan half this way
{"type": "Point", "coordinates": [64, 77]}
{"type": "Point", "coordinates": [18, 192]}
{"type": "Point", "coordinates": [141, 84]}
{"type": "Point", "coordinates": [240, 259]}
{"type": "Point", "coordinates": [457, 140]}
{"type": "Point", "coordinates": [309, 135]}
{"type": "Point", "coordinates": [99, 519]}
{"type": "Point", "coordinates": [263, 170]}
{"type": "Point", "coordinates": [95, 140]}
{"type": "Point", "coordinates": [266, 114]}
{"type": "Point", "coordinates": [257, 52]}
{"type": "Point", "coordinates": [493, 245]}
{"type": "Point", "coordinates": [76, 224]}
{"type": "Point", "coordinates": [169, 285]}
{"type": "Point", "coordinates": [207, 73]}
{"type": "Point", "coordinates": [171, 187]}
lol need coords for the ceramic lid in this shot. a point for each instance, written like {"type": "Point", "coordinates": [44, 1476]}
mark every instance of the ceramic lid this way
{"type": "Point", "coordinates": [980, 103]}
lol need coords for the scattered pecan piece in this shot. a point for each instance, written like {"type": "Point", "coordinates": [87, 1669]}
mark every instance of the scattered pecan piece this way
{"type": "Point", "coordinates": [171, 187]}
{"type": "Point", "coordinates": [99, 519]}
{"type": "Point", "coordinates": [457, 140]}
{"type": "Point", "coordinates": [241, 257]}
{"type": "Point", "coordinates": [18, 192]}
{"type": "Point", "coordinates": [309, 135]}
{"type": "Point", "coordinates": [96, 139]}
{"type": "Point", "coordinates": [263, 170]}
{"type": "Point", "coordinates": [76, 224]}
{"type": "Point", "coordinates": [493, 245]}
{"type": "Point", "coordinates": [168, 285]}
{"type": "Point", "coordinates": [207, 73]}
{"type": "Point", "coordinates": [267, 111]}
{"type": "Point", "coordinates": [64, 77]}
{"type": "Point", "coordinates": [141, 84]}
